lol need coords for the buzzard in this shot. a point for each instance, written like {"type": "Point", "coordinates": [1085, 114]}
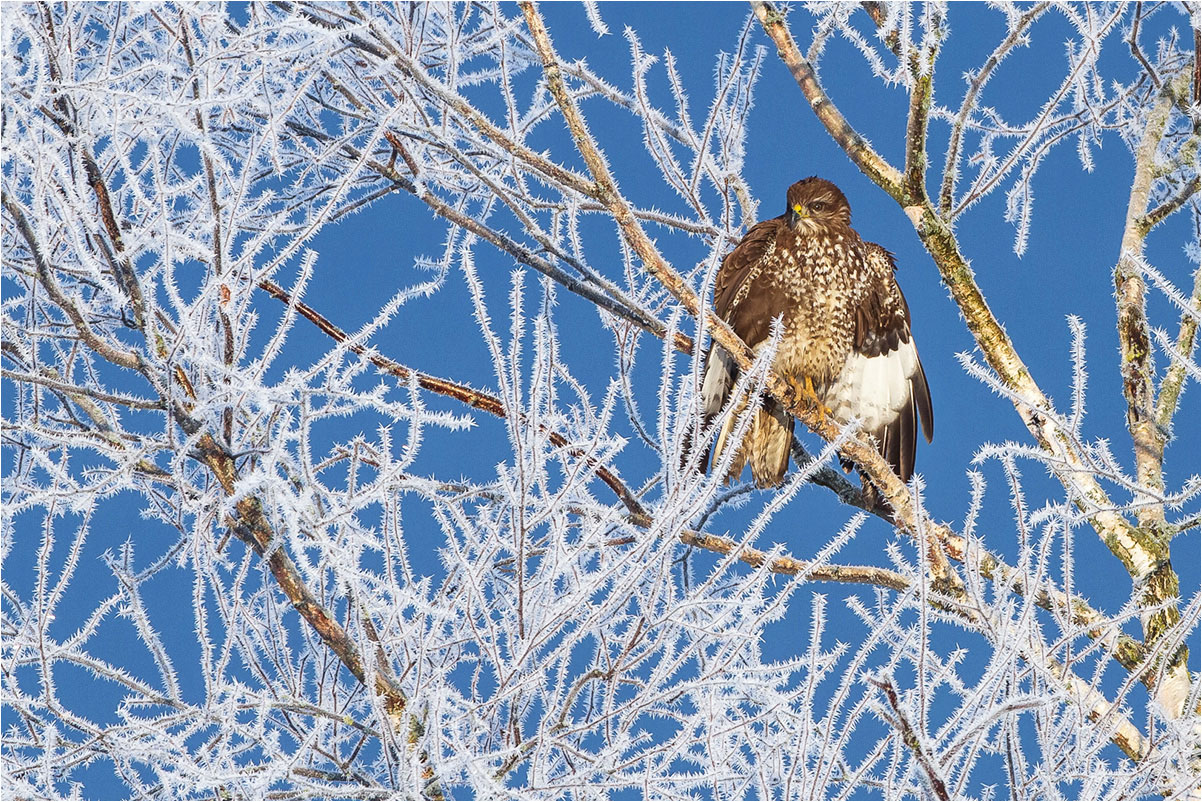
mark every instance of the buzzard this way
{"type": "Point", "coordinates": [846, 339]}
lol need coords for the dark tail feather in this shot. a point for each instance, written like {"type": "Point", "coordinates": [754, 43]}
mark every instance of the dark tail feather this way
{"type": "Point", "coordinates": [686, 451]}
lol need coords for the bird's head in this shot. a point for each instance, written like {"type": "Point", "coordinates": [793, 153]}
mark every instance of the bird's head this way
{"type": "Point", "coordinates": [816, 203]}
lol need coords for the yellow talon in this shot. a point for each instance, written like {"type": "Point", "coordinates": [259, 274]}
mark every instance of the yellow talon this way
{"type": "Point", "coordinates": [807, 393]}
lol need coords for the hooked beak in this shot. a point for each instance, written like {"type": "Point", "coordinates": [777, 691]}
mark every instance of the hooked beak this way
{"type": "Point", "coordinates": [798, 213]}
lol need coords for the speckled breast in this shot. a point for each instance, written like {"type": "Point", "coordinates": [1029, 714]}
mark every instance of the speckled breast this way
{"type": "Point", "coordinates": [824, 277]}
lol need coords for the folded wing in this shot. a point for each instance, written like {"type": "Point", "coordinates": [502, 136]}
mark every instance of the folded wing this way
{"type": "Point", "coordinates": [750, 314]}
{"type": "Point", "coordinates": [883, 382]}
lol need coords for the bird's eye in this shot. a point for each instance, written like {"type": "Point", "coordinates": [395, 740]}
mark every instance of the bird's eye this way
{"type": "Point", "coordinates": [818, 206]}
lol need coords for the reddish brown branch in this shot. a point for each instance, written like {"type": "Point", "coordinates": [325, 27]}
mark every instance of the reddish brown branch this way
{"type": "Point", "coordinates": [461, 392]}
{"type": "Point", "coordinates": [910, 738]}
{"type": "Point", "coordinates": [251, 526]}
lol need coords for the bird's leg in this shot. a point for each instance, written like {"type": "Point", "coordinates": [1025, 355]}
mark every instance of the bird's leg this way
{"type": "Point", "coordinates": [805, 391]}
{"type": "Point", "coordinates": [819, 407]}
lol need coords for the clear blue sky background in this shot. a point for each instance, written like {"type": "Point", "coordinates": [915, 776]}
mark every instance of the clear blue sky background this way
{"type": "Point", "coordinates": [1066, 270]}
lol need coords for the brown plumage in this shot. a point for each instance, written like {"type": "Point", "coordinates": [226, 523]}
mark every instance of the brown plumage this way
{"type": "Point", "coordinates": [846, 331]}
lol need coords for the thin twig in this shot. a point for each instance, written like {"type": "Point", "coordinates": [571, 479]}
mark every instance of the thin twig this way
{"type": "Point", "coordinates": [911, 739]}
{"type": "Point", "coordinates": [1136, 51]}
{"type": "Point", "coordinates": [461, 392]}
{"type": "Point", "coordinates": [951, 166]}
{"type": "Point", "coordinates": [1153, 218]}
{"type": "Point", "coordinates": [49, 378]}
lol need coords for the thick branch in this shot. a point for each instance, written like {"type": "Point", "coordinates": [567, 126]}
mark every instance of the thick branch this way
{"type": "Point", "coordinates": [251, 525]}
{"type": "Point", "coordinates": [1159, 587]}
{"type": "Point", "coordinates": [1138, 366]}
{"type": "Point", "coordinates": [857, 148]}
{"type": "Point", "coordinates": [922, 77]}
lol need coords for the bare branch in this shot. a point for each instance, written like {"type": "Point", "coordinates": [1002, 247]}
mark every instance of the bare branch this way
{"type": "Point", "coordinates": [911, 739]}
{"type": "Point", "coordinates": [857, 148]}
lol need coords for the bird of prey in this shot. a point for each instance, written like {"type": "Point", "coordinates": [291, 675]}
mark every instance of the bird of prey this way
{"type": "Point", "coordinates": [845, 341]}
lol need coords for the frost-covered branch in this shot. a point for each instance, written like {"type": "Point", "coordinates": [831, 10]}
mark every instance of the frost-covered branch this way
{"type": "Point", "coordinates": [857, 148]}
{"type": "Point", "coordinates": [911, 739]}
{"type": "Point", "coordinates": [1157, 583]}
{"type": "Point", "coordinates": [892, 490]}
{"type": "Point", "coordinates": [1169, 394]}
{"type": "Point", "coordinates": [1129, 652]}
{"type": "Point", "coordinates": [1016, 36]}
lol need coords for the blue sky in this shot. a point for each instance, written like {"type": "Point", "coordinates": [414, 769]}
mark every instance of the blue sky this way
{"type": "Point", "coordinates": [1067, 270]}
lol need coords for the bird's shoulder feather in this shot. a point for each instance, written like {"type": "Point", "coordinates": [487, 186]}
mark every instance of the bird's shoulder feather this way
{"type": "Point", "coordinates": [750, 312]}
{"type": "Point", "coordinates": [742, 262]}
